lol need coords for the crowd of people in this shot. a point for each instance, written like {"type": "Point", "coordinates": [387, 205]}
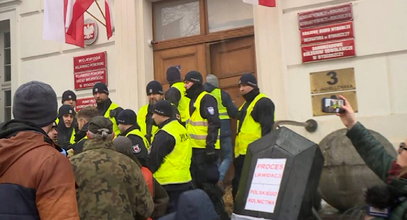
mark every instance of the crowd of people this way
{"type": "Point", "coordinates": [168, 161]}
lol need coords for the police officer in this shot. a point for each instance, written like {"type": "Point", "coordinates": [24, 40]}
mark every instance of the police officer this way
{"type": "Point", "coordinates": [105, 106]}
{"type": "Point", "coordinates": [176, 93]}
{"type": "Point", "coordinates": [154, 92]}
{"type": "Point", "coordinates": [226, 110]}
{"type": "Point", "coordinates": [256, 119]}
{"type": "Point", "coordinates": [65, 127]}
{"type": "Point", "coordinates": [170, 156]}
{"type": "Point", "coordinates": [129, 128]}
{"type": "Point", "coordinates": [203, 128]}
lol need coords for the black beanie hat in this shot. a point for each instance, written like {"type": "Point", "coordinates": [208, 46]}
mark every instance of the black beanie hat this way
{"type": "Point", "coordinates": [101, 88]}
{"type": "Point", "coordinates": [35, 102]}
{"type": "Point", "coordinates": [173, 75]}
{"type": "Point", "coordinates": [68, 95]}
{"type": "Point", "coordinates": [248, 79]}
{"type": "Point", "coordinates": [154, 87]}
{"type": "Point", "coordinates": [66, 109]}
{"type": "Point", "coordinates": [127, 117]}
{"type": "Point", "coordinates": [163, 108]}
{"type": "Point", "coordinates": [194, 76]}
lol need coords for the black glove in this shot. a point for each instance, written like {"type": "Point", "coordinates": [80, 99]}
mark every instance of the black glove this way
{"type": "Point", "coordinates": [210, 154]}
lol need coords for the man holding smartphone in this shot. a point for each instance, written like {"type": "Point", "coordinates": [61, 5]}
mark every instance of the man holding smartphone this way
{"type": "Point", "coordinates": [255, 119]}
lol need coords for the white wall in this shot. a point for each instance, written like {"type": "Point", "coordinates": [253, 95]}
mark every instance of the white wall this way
{"type": "Point", "coordinates": [129, 57]}
{"type": "Point", "coordinates": [380, 67]}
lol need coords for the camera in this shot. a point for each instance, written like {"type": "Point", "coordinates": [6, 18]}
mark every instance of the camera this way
{"type": "Point", "coordinates": [332, 105]}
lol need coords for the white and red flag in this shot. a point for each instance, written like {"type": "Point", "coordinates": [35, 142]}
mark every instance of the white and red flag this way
{"type": "Point", "coordinates": [268, 3]}
{"type": "Point", "coordinates": [64, 19]}
{"type": "Point", "coordinates": [109, 19]}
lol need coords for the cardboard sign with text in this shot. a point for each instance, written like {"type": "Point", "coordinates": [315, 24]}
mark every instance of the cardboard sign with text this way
{"type": "Point", "coordinates": [280, 176]}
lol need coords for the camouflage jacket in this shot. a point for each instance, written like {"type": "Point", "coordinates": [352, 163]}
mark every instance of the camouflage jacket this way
{"type": "Point", "coordinates": [110, 184]}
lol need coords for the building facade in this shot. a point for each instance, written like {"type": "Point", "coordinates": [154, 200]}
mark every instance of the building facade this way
{"type": "Point", "coordinates": [227, 38]}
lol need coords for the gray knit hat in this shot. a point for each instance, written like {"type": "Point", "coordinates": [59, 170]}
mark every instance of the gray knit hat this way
{"type": "Point", "coordinates": [35, 102]}
{"type": "Point", "coordinates": [212, 79]}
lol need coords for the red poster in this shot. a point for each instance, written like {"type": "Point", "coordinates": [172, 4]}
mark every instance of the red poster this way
{"type": "Point", "coordinates": [327, 33]}
{"type": "Point", "coordinates": [326, 51]}
{"type": "Point", "coordinates": [90, 69]}
{"type": "Point", "coordinates": [82, 103]}
{"type": "Point", "coordinates": [325, 16]}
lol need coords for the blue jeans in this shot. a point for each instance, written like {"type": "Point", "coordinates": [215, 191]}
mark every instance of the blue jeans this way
{"type": "Point", "coordinates": [227, 156]}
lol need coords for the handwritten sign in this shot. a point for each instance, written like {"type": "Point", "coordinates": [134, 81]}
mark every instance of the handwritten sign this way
{"type": "Point", "coordinates": [265, 185]}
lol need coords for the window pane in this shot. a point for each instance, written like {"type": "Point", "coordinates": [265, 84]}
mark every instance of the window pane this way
{"type": "Point", "coordinates": [7, 57]}
{"type": "Point", "coordinates": [7, 98]}
{"type": "Point", "coordinates": [7, 105]}
{"type": "Point", "coordinates": [7, 114]}
{"type": "Point", "coordinates": [7, 73]}
{"type": "Point", "coordinates": [238, 14]}
{"type": "Point", "coordinates": [176, 19]}
{"type": "Point", "coordinates": [7, 39]}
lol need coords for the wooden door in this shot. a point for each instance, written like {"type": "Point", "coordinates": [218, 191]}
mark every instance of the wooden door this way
{"type": "Point", "coordinates": [231, 58]}
{"type": "Point", "coordinates": [187, 58]}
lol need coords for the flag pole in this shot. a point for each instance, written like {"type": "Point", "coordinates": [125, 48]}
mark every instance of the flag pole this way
{"type": "Point", "coordinates": [95, 18]}
{"type": "Point", "coordinates": [97, 3]}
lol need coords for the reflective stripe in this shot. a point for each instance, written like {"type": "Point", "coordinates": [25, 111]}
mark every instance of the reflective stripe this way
{"type": "Point", "coordinates": [223, 113]}
{"type": "Point", "coordinates": [199, 123]}
{"type": "Point", "coordinates": [198, 137]}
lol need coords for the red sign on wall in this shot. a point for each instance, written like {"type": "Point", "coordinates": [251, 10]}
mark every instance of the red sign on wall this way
{"type": "Point", "coordinates": [84, 102]}
{"type": "Point", "coordinates": [326, 51]}
{"type": "Point", "coordinates": [90, 69]}
{"type": "Point", "coordinates": [327, 33]}
{"type": "Point", "coordinates": [325, 16]}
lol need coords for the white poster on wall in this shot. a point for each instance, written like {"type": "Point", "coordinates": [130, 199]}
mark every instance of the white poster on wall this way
{"type": "Point", "coordinates": [265, 185]}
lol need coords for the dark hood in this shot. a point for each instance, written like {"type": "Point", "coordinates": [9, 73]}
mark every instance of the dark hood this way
{"type": "Point", "coordinates": [16, 139]}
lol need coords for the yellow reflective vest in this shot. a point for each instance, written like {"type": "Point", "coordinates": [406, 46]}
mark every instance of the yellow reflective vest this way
{"type": "Point", "coordinates": [72, 139]}
{"type": "Point", "coordinates": [141, 121]}
{"type": "Point", "coordinates": [175, 166]}
{"type": "Point", "coordinates": [197, 126]}
{"type": "Point", "coordinates": [116, 129]}
{"type": "Point", "coordinates": [138, 133]}
{"type": "Point", "coordinates": [223, 112]}
{"type": "Point", "coordinates": [250, 129]}
{"type": "Point", "coordinates": [183, 104]}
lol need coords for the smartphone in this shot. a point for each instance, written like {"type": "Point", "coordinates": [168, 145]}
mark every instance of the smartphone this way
{"type": "Point", "coordinates": [330, 105]}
